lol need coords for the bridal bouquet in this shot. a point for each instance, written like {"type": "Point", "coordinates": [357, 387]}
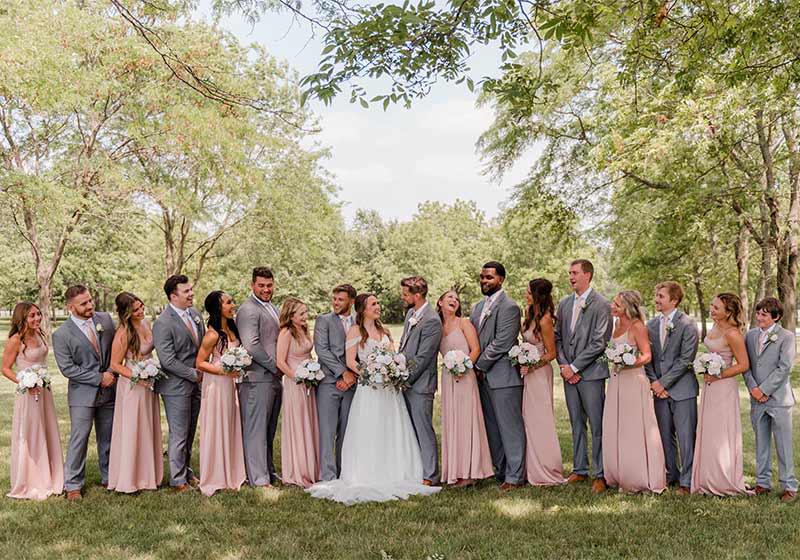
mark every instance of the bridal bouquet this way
{"type": "Point", "coordinates": [525, 354]}
{"type": "Point", "coordinates": [620, 355]}
{"type": "Point", "coordinates": [236, 359]}
{"type": "Point", "coordinates": [384, 367]}
{"type": "Point", "coordinates": [709, 363]}
{"type": "Point", "coordinates": [31, 377]}
{"type": "Point", "coordinates": [309, 373]}
{"type": "Point", "coordinates": [146, 370]}
{"type": "Point", "coordinates": [456, 363]}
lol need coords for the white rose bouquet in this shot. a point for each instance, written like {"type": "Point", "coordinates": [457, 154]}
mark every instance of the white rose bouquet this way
{"type": "Point", "coordinates": [709, 363]}
{"type": "Point", "coordinates": [32, 377]}
{"type": "Point", "coordinates": [235, 360]}
{"type": "Point", "coordinates": [309, 373]}
{"type": "Point", "coordinates": [384, 368]}
{"type": "Point", "coordinates": [620, 355]}
{"type": "Point", "coordinates": [525, 354]}
{"type": "Point", "coordinates": [146, 370]}
{"type": "Point", "coordinates": [456, 363]}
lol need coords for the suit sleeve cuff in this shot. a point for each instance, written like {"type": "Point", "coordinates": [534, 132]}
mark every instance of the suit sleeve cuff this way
{"type": "Point", "coordinates": [574, 368]}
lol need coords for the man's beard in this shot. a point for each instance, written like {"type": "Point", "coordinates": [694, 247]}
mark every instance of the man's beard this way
{"type": "Point", "coordinates": [490, 291]}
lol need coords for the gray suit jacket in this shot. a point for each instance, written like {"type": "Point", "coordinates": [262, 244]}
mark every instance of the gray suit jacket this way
{"type": "Point", "coordinates": [78, 361]}
{"type": "Point", "coordinates": [498, 334]}
{"type": "Point", "coordinates": [259, 333]}
{"type": "Point", "coordinates": [177, 352]}
{"type": "Point", "coordinates": [329, 343]}
{"type": "Point", "coordinates": [771, 370]}
{"type": "Point", "coordinates": [672, 365]}
{"type": "Point", "coordinates": [420, 345]}
{"type": "Point", "coordinates": [587, 344]}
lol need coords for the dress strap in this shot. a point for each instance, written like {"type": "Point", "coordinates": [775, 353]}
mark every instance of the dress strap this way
{"type": "Point", "coordinates": [352, 342]}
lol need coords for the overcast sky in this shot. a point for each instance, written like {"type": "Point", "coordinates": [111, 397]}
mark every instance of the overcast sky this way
{"type": "Point", "coordinates": [391, 161]}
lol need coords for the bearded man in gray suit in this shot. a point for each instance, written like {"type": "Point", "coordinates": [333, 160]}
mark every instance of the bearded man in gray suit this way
{"type": "Point", "coordinates": [583, 329]}
{"type": "Point", "coordinates": [673, 341]}
{"type": "Point", "coordinates": [260, 392]}
{"type": "Point", "coordinates": [497, 320]}
{"type": "Point", "coordinates": [82, 347]}
{"type": "Point", "coordinates": [771, 350]}
{"type": "Point", "coordinates": [177, 334]}
{"type": "Point", "coordinates": [422, 333]}
{"type": "Point", "coordinates": [335, 392]}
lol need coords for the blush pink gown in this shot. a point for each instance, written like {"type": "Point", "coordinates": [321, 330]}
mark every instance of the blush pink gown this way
{"type": "Point", "coordinates": [542, 452]}
{"type": "Point", "coordinates": [37, 464]}
{"type": "Point", "coordinates": [299, 427]}
{"type": "Point", "coordinates": [136, 462]}
{"type": "Point", "coordinates": [465, 447]}
{"type": "Point", "coordinates": [221, 449]}
{"type": "Point", "coordinates": [718, 457]}
{"type": "Point", "coordinates": [633, 457]}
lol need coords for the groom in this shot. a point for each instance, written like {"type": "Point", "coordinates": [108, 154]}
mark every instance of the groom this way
{"type": "Point", "coordinates": [335, 392]}
{"type": "Point", "coordinates": [82, 346]}
{"type": "Point", "coordinates": [497, 320]}
{"type": "Point", "coordinates": [422, 334]}
{"type": "Point", "coordinates": [583, 329]}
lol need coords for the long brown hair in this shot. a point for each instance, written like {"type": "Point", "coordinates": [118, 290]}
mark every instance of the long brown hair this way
{"type": "Point", "coordinates": [19, 321]}
{"type": "Point", "coordinates": [733, 307]}
{"type": "Point", "coordinates": [125, 302]}
{"type": "Point", "coordinates": [361, 306]}
{"type": "Point", "coordinates": [289, 308]}
{"type": "Point", "coordinates": [542, 304]}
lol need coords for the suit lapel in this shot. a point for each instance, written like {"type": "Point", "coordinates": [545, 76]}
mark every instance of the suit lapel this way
{"type": "Point", "coordinates": [581, 312]}
{"type": "Point", "coordinates": [183, 327]}
{"type": "Point", "coordinates": [490, 317]}
{"type": "Point", "coordinates": [82, 337]}
{"type": "Point", "coordinates": [655, 335]}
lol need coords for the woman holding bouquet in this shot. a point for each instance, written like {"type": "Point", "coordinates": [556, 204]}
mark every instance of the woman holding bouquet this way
{"type": "Point", "coordinates": [221, 451]}
{"type": "Point", "coordinates": [633, 457]}
{"type": "Point", "coordinates": [718, 458]}
{"type": "Point", "coordinates": [465, 447]}
{"type": "Point", "coordinates": [542, 451]}
{"type": "Point", "coordinates": [136, 462]}
{"type": "Point", "coordinates": [300, 430]}
{"type": "Point", "coordinates": [37, 464]}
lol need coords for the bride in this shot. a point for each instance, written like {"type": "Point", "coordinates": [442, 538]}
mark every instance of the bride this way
{"type": "Point", "coordinates": [380, 454]}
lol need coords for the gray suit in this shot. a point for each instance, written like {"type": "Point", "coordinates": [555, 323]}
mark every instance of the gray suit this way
{"type": "Point", "coordinates": [501, 388]}
{"type": "Point", "coordinates": [261, 392]}
{"type": "Point", "coordinates": [180, 391]}
{"type": "Point", "coordinates": [88, 402]}
{"type": "Point", "coordinates": [333, 405]}
{"type": "Point", "coordinates": [770, 371]}
{"type": "Point", "coordinates": [676, 415]}
{"type": "Point", "coordinates": [420, 345]}
{"type": "Point", "coordinates": [582, 348]}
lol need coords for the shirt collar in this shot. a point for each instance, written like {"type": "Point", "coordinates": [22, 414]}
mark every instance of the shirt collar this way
{"type": "Point", "coordinates": [179, 311]}
{"type": "Point", "coordinates": [489, 299]}
{"type": "Point", "coordinates": [81, 322]}
{"type": "Point", "coordinates": [671, 316]}
{"type": "Point", "coordinates": [418, 313]}
{"type": "Point", "coordinates": [264, 303]}
{"type": "Point", "coordinates": [769, 330]}
{"type": "Point", "coordinates": [585, 294]}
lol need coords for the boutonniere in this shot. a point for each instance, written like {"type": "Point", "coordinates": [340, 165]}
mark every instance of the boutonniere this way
{"type": "Point", "coordinates": [98, 327]}
{"type": "Point", "coordinates": [771, 337]}
{"type": "Point", "coordinates": [583, 305]}
{"type": "Point", "coordinates": [196, 320]}
{"type": "Point", "coordinates": [670, 328]}
{"type": "Point", "coordinates": [413, 322]}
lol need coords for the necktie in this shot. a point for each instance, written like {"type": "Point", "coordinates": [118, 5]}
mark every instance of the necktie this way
{"type": "Point", "coordinates": [762, 342]}
{"type": "Point", "coordinates": [663, 330]}
{"type": "Point", "coordinates": [576, 309]}
{"type": "Point", "coordinates": [487, 308]}
{"type": "Point", "coordinates": [189, 326]}
{"type": "Point", "coordinates": [88, 328]}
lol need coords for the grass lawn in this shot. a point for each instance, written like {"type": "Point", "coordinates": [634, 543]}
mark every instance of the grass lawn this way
{"type": "Point", "coordinates": [483, 522]}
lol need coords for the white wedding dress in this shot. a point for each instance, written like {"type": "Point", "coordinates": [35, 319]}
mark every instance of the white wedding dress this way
{"type": "Point", "coordinates": [380, 454]}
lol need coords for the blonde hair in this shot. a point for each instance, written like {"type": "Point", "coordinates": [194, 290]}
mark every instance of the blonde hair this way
{"type": "Point", "coordinates": [631, 301]}
{"type": "Point", "coordinates": [291, 306]}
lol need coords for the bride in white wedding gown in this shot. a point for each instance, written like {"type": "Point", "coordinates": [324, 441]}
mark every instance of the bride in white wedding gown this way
{"type": "Point", "coordinates": [380, 454]}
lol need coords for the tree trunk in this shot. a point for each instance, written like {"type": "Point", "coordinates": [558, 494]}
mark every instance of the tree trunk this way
{"type": "Point", "coordinates": [46, 307]}
{"type": "Point", "coordinates": [701, 302]}
{"type": "Point", "coordinates": [788, 255]}
{"type": "Point", "coordinates": [742, 252]}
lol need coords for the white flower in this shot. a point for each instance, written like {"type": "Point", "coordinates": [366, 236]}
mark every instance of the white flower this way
{"type": "Point", "coordinates": [583, 305]}
{"type": "Point", "coordinates": [98, 327]}
{"type": "Point", "coordinates": [515, 351]}
{"type": "Point", "coordinates": [628, 359]}
{"type": "Point", "coordinates": [412, 322]}
{"type": "Point", "coordinates": [196, 320]}
{"type": "Point", "coordinates": [28, 379]}
{"type": "Point", "coordinates": [670, 328]}
{"type": "Point", "coordinates": [773, 337]}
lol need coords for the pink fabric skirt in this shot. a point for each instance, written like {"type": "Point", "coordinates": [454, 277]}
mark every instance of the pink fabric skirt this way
{"type": "Point", "coordinates": [543, 452]}
{"type": "Point", "coordinates": [221, 450]}
{"type": "Point", "coordinates": [37, 465]}
{"type": "Point", "coordinates": [633, 457]}
{"type": "Point", "coordinates": [299, 435]}
{"type": "Point", "coordinates": [136, 461]}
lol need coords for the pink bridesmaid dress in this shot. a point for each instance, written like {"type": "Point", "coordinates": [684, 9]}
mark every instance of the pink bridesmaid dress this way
{"type": "Point", "coordinates": [633, 457]}
{"type": "Point", "coordinates": [221, 449]}
{"type": "Point", "coordinates": [465, 447]}
{"type": "Point", "coordinates": [300, 427]}
{"type": "Point", "coordinates": [718, 457]}
{"type": "Point", "coordinates": [542, 452]}
{"type": "Point", "coordinates": [37, 465]}
{"type": "Point", "coordinates": [136, 462]}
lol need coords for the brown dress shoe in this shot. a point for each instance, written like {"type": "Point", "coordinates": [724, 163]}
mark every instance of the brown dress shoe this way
{"type": "Point", "coordinates": [683, 491]}
{"type": "Point", "coordinates": [181, 488]}
{"type": "Point", "coordinates": [760, 490]}
{"type": "Point", "coordinates": [74, 495]}
{"type": "Point", "coordinates": [788, 496]}
{"type": "Point", "coordinates": [575, 477]}
{"type": "Point", "coordinates": [194, 482]}
{"type": "Point", "coordinates": [598, 486]}
{"type": "Point", "coordinates": [427, 482]}
{"type": "Point", "coordinates": [508, 486]}
{"type": "Point", "coordinates": [465, 483]}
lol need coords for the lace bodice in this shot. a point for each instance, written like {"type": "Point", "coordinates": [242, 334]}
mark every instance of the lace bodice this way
{"type": "Point", "coordinates": [366, 348]}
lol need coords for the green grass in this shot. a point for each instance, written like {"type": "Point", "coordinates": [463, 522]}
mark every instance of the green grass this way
{"type": "Point", "coordinates": [483, 522]}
